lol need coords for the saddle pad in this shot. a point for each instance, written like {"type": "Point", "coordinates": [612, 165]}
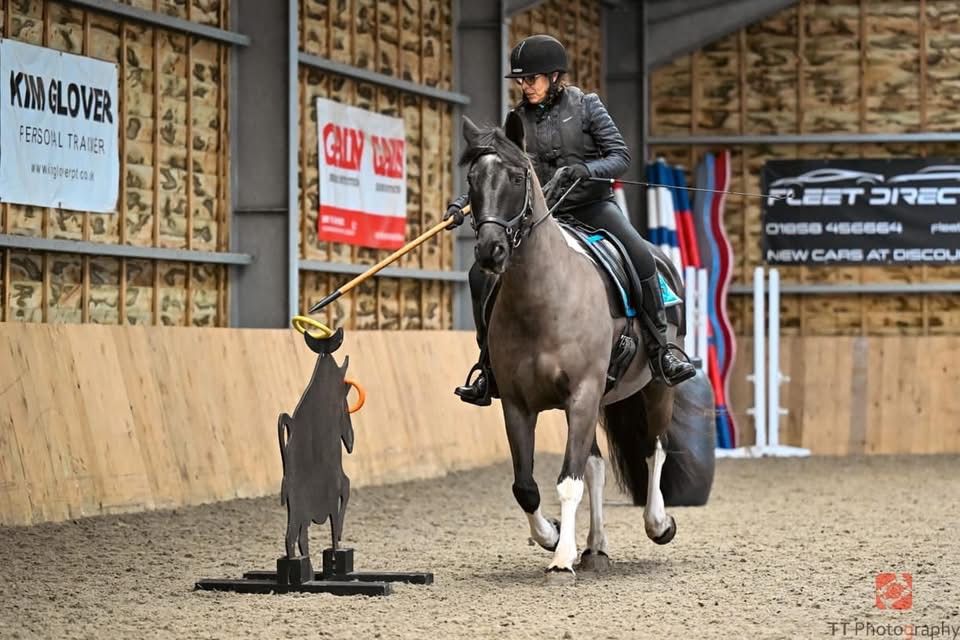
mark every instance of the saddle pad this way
{"type": "Point", "coordinates": [602, 254]}
{"type": "Point", "coordinates": [615, 276]}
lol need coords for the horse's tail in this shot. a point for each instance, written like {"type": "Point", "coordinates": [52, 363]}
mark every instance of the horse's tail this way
{"type": "Point", "coordinates": [689, 443]}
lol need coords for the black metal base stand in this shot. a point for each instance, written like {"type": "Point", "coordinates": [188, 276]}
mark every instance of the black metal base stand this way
{"type": "Point", "coordinates": [296, 575]}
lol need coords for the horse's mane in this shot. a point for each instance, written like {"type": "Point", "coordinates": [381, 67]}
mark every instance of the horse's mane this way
{"type": "Point", "coordinates": [495, 138]}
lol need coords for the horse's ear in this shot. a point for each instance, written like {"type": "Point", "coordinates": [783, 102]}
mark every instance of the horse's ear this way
{"type": "Point", "coordinates": [471, 132]}
{"type": "Point", "coordinates": [346, 363]}
{"type": "Point", "coordinates": [513, 128]}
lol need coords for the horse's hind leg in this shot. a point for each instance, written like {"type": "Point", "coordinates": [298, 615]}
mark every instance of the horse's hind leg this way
{"type": "Point", "coordinates": [520, 434]}
{"type": "Point", "coordinates": [659, 526]}
{"type": "Point", "coordinates": [594, 557]}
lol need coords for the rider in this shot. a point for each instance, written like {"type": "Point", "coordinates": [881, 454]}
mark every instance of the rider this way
{"type": "Point", "coordinates": [571, 135]}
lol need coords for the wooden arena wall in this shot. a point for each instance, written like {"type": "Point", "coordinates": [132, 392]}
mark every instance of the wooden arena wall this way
{"type": "Point", "coordinates": [98, 419]}
{"type": "Point", "coordinates": [577, 24]}
{"type": "Point", "coordinates": [174, 190]}
{"type": "Point", "coordinates": [856, 395]}
{"type": "Point", "coordinates": [411, 40]}
{"type": "Point", "coordinates": [823, 66]}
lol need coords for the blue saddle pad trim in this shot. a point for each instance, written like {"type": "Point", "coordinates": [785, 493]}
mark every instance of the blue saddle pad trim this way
{"type": "Point", "coordinates": [669, 297]}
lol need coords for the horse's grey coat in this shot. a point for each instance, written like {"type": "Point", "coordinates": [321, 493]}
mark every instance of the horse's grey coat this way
{"type": "Point", "coordinates": [550, 333]}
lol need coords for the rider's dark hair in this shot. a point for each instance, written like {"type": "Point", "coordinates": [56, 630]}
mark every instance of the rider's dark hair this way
{"type": "Point", "coordinates": [556, 88]}
{"type": "Point", "coordinates": [554, 92]}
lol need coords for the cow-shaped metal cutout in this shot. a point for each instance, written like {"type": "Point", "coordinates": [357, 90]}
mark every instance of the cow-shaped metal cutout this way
{"type": "Point", "coordinates": [314, 485]}
{"type": "Point", "coordinates": [315, 488]}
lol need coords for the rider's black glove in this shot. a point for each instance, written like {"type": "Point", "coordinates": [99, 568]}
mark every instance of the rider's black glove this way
{"type": "Point", "coordinates": [561, 181]}
{"type": "Point", "coordinates": [455, 211]}
{"type": "Point", "coordinates": [568, 175]}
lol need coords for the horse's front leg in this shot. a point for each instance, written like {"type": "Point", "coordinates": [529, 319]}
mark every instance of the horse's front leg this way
{"type": "Point", "coordinates": [594, 557]}
{"type": "Point", "coordinates": [582, 409]}
{"type": "Point", "coordinates": [521, 426]}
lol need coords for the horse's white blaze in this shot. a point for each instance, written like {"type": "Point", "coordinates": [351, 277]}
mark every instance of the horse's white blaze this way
{"type": "Point", "coordinates": [654, 514]}
{"type": "Point", "coordinates": [595, 479]}
{"type": "Point", "coordinates": [541, 529]}
{"type": "Point", "coordinates": [570, 492]}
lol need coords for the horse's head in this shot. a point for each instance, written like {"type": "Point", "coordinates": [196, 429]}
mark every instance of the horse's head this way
{"type": "Point", "coordinates": [501, 186]}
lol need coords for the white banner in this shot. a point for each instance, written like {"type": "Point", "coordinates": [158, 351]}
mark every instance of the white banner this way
{"type": "Point", "coordinates": [363, 186]}
{"type": "Point", "coordinates": [59, 129]}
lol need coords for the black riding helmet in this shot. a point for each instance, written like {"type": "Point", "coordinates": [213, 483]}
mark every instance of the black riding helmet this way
{"type": "Point", "coordinates": [537, 54]}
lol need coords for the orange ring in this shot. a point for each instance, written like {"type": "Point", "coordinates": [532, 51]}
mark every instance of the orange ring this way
{"type": "Point", "coordinates": [360, 392]}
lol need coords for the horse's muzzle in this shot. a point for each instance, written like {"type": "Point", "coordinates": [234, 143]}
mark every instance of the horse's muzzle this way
{"type": "Point", "coordinates": [491, 254]}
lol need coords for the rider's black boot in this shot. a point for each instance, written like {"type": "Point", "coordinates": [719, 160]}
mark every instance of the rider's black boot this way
{"type": "Point", "coordinates": [483, 386]}
{"type": "Point", "coordinates": [480, 390]}
{"type": "Point", "coordinates": [663, 363]}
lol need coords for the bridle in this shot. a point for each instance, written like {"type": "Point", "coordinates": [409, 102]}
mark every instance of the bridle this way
{"type": "Point", "coordinates": [517, 227]}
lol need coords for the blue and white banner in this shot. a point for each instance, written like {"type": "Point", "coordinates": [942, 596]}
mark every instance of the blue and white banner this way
{"type": "Point", "coordinates": [59, 129]}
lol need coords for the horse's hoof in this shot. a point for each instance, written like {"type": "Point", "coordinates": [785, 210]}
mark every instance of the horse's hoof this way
{"type": "Point", "coordinates": [594, 561]}
{"type": "Point", "coordinates": [667, 535]}
{"type": "Point", "coordinates": [556, 576]}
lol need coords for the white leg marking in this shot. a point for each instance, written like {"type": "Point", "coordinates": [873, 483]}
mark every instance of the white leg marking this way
{"type": "Point", "coordinates": [541, 530]}
{"type": "Point", "coordinates": [570, 492]}
{"type": "Point", "coordinates": [595, 478]}
{"type": "Point", "coordinates": [654, 515]}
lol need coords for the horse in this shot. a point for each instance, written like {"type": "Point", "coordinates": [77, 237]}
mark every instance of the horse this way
{"type": "Point", "coordinates": [551, 336]}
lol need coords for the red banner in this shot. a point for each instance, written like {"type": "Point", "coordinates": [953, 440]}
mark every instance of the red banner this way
{"type": "Point", "coordinates": [362, 176]}
{"type": "Point", "coordinates": [356, 227]}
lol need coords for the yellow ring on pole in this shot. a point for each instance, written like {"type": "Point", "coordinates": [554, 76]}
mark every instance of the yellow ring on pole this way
{"type": "Point", "coordinates": [300, 323]}
{"type": "Point", "coordinates": [360, 392]}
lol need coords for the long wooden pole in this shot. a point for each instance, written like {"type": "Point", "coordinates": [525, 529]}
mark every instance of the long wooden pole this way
{"type": "Point", "coordinates": [413, 244]}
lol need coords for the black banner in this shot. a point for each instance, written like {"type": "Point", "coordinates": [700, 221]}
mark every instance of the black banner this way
{"type": "Point", "coordinates": [862, 212]}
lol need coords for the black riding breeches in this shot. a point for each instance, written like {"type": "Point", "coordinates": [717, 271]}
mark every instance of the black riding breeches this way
{"type": "Point", "coordinates": [605, 214]}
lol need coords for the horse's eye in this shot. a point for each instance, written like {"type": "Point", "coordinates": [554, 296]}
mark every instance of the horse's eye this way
{"type": "Point", "coordinates": [518, 179]}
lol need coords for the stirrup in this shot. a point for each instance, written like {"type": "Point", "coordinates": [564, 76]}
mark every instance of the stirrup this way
{"type": "Point", "coordinates": [659, 372]}
{"type": "Point", "coordinates": [469, 391]}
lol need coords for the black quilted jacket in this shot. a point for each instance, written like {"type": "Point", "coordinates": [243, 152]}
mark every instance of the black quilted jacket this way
{"type": "Point", "coordinates": [576, 127]}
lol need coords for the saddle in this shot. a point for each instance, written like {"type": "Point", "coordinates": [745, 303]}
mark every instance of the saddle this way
{"type": "Point", "coordinates": [623, 287]}
{"type": "Point", "coordinates": [611, 259]}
